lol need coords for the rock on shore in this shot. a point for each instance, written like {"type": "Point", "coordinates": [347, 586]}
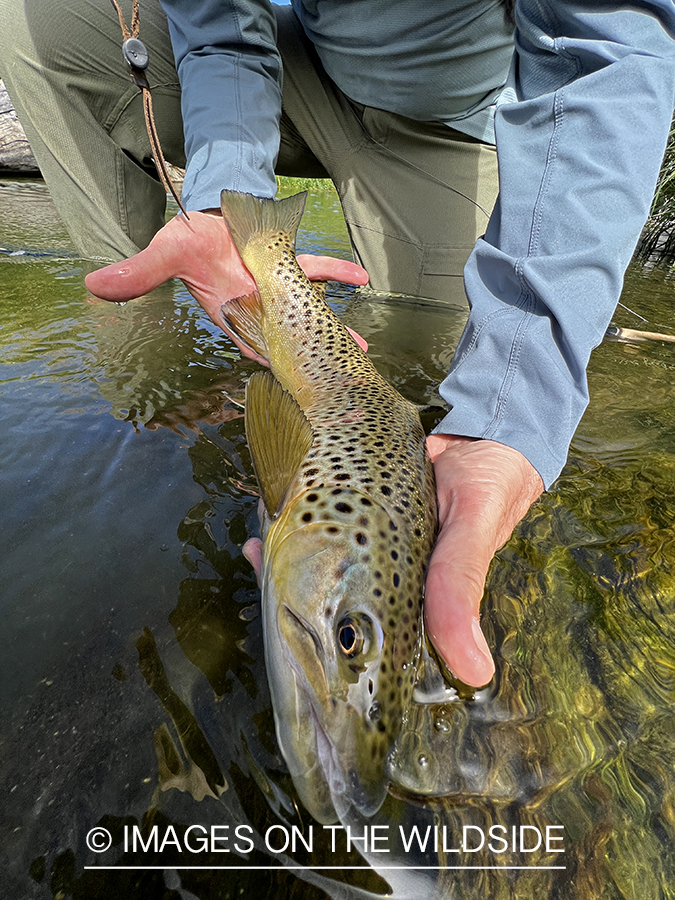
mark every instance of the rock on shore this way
{"type": "Point", "coordinates": [15, 153]}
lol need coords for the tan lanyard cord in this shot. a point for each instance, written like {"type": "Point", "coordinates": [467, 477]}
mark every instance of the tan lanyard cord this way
{"type": "Point", "coordinates": [136, 55]}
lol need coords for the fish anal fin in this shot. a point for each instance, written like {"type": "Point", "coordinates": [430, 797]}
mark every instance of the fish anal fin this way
{"type": "Point", "coordinates": [279, 437]}
{"type": "Point", "coordinates": [243, 316]}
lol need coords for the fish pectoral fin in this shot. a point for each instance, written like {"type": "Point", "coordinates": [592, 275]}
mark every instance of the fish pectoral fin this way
{"type": "Point", "coordinates": [243, 316]}
{"type": "Point", "coordinates": [279, 436]}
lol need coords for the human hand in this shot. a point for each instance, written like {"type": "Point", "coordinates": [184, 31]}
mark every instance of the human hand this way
{"type": "Point", "coordinates": [202, 254]}
{"type": "Point", "coordinates": [484, 489]}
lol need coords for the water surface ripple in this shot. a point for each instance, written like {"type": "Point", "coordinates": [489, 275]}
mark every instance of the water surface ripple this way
{"type": "Point", "coordinates": [133, 688]}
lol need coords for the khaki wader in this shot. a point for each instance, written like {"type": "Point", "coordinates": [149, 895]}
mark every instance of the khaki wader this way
{"type": "Point", "coordinates": [415, 195]}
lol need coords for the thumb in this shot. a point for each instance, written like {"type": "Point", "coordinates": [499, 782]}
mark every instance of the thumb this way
{"type": "Point", "coordinates": [199, 251]}
{"type": "Point", "coordinates": [484, 489]}
{"type": "Point", "coordinates": [453, 593]}
{"type": "Point", "coordinates": [134, 276]}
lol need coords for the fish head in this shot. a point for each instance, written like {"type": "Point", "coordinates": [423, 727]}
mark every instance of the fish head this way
{"type": "Point", "coordinates": [341, 674]}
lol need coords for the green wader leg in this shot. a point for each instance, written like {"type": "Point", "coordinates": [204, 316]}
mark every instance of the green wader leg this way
{"type": "Point", "coordinates": [63, 67]}
{"type": "Point", "coordinates": [416, 195]}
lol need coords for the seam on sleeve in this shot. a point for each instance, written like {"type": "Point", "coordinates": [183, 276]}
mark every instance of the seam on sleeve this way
{"type": "Point", "coordinates": [236, 180]}
{"type": "Point", "coordinates": [529, 301]}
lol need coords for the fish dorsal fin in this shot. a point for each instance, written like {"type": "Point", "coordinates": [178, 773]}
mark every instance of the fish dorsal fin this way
{"type": "Point", "coordinates": [279, 436]}
{"type": "Point", "coordinates": [243, 316]}
{"type": "Point", "coordinates": [248, 216]}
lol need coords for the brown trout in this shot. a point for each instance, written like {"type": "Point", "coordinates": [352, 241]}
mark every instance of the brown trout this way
{"type": "Point", "coordinates": [349, 522]}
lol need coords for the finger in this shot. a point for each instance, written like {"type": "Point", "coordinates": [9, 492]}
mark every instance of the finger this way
{"type": "Point", "coordinates": [453, 592]}
{"type": "Point", "coordinates": [135, 276]}
{"type": "Point", "coordinates": [199, 251]}
{"type": "Point", "coordinates": [363, 344]}
{"type": "Point", "coordinates": [124, 281]}
{"type": "Point", "coordinates": [484, 488]}
{"type": "Point", "coordinates": [252, 550]}
{"type": "Point", "coordinates": [328, 268]}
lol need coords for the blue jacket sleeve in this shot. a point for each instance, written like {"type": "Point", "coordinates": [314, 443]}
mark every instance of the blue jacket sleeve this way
{"type": "Point", "coordinates": [581, 132]}
{"type": "Point", "coordinates": [230, 75]}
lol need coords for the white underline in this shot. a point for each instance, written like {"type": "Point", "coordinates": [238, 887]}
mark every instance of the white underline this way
{"type": "Point", "coordinates": [286, 868]}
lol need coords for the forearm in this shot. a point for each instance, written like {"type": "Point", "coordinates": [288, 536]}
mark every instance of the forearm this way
{"type": "Point", "coordinates": [579, 148]}
{"type": "Point", "coordinates": [230, 74]}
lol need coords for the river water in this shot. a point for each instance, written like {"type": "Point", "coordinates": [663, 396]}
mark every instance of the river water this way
{"type": "Point", "coordinates": [132, 687]}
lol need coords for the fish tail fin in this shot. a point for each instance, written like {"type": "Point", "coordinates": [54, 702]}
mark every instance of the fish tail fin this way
{"type": "Point", "coordinates": [247, 216]}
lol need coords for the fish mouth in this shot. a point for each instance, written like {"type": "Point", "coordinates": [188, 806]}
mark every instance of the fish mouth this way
{"type": "Point", "coordinates": [326, 784]}
{"type": "Point", "coordinates": [318, 733]}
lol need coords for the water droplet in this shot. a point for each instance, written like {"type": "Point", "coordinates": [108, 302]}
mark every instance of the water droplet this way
{"type": "Point", "coordinates": [442, 725]}
{"type": "Point", "coordinates": [422, 761]}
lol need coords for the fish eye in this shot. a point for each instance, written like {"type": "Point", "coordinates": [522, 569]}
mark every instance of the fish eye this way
{"type": "Point", "coordinates": [353, 638]}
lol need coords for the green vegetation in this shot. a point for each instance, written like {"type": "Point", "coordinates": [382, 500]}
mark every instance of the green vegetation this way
{"type": "Point", "coordinates": [286, 183]}
{"type": "Point", "coordinates": [657, 244]}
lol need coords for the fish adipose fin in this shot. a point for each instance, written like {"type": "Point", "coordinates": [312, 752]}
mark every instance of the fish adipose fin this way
{"type": "Point", "coordinates": [279, 436]}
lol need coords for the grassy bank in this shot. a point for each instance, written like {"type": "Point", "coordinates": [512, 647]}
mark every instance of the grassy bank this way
{"type": "Point", "coordinates": [315, 185]}
{"type": "Point", "coordinates": [657, 244]}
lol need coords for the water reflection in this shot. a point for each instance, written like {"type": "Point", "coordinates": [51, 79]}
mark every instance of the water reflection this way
{"type": "Point", "coordinates": [133, 690]}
